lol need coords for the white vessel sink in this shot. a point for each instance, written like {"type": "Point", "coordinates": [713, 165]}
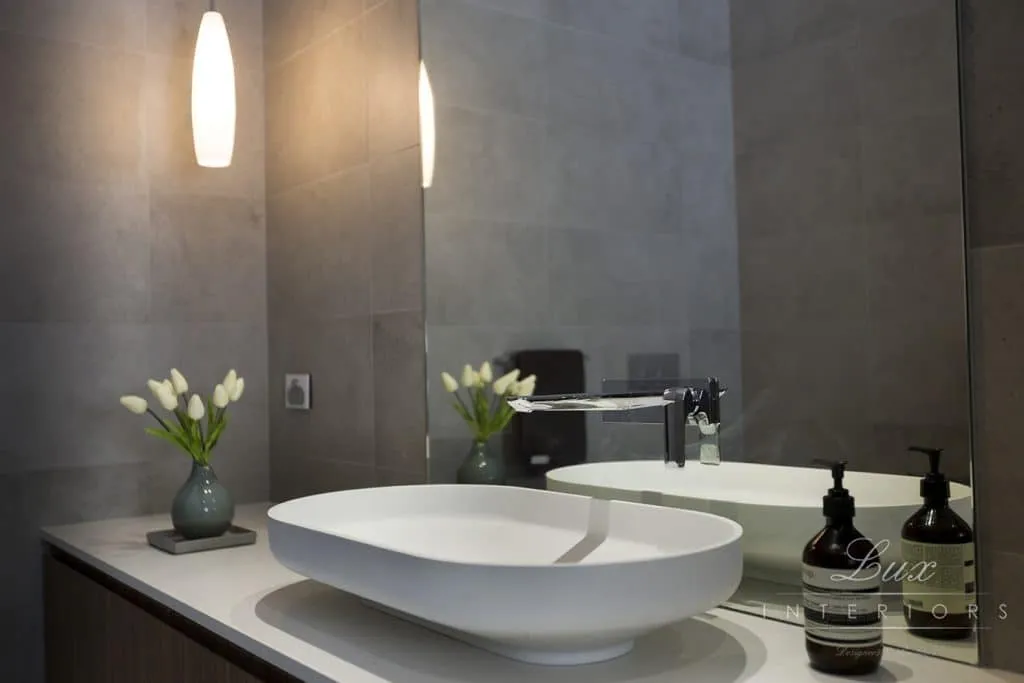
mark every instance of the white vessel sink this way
{"type": "Point", "coordinates": [778, 507]}
{"type": "Point", "coordinates": [538, 576]}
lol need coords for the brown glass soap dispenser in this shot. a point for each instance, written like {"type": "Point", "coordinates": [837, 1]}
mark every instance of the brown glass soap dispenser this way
{"type": "Point", "coordinates": [842, 590]}
{"type": "Point", "coordinates": [938, 562]}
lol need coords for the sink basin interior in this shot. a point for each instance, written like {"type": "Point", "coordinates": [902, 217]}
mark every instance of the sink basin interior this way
{"type": "Point", "coordinates": [508, 527]}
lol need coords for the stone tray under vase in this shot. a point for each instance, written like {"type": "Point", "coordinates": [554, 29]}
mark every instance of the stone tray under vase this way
{"type": "Point", "coordinates": [170, 541]}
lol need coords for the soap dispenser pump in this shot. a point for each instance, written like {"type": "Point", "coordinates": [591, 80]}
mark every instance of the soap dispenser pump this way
{"type": "Point", "coordinates": [938, 562]}
{"type": "Point", "coordinates": [842, 589]}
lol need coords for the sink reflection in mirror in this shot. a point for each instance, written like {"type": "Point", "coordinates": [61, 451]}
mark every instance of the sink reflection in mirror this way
{"type": "Point", "coordinates": [768, 194]}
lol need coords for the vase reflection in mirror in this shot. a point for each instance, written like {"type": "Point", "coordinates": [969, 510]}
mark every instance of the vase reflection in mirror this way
{"type": "Point", "coordinates": [484, 464]}
{"type": "Point", "coordinates": [485, 410]}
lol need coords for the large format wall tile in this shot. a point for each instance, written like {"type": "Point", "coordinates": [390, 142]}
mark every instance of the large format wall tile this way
{"type": "Point", "coordinates": [208, 259]}
{"type": "Point", "coordinates": [934, 287]}
{"type": "Point", "coordinates": [317, 110]}
{"type": "Point", "coordinates": [611, 184]}
{"type": "Point", "coordinates": [484, 59]}
{"type": "Point", "coordinates": [760, 29]}
{"type": "Point", "coordinates": [396, 209]}
{"type": "Point", "coordinates": [392, 59]}
{"type": "Point", "coordinates": [998, 333]}
{"type": "Point", "coordinates": [399, 390]}
{"type": "Point", "coordinates": [704, 30]}
{"type": "Point", "coordinates": [319, 247]}
{"type": "Point", "coordinates": [75, 109]}
{"type": "Point", "coordinates": [83, 258]}
{"type": "Point", "coordinates": [912, 166]}
{"type": "Point", "coordinates": [339, 357]}
{"type": "Point", "coordinates": [908, 64]}
{"type": "Point", "coordinates": [994, 104]}
{"type": "Point", "coordinates": [488, 166]}
{"type": "Point", "coordinates": [62, 388]}
{"type": "Point", "coordinates": [794, 184]}
{"type": "Point", "coordinates": [300, 475]}
{"type": "Point", "coordinates": [999, 600]}
{"type": "Point", "coordinates": [290, 26]}
{"type": "Point", "coordinates": [785, 94]}
{"type": "Point", "coordinates": [651, 24]}
{"type": "Point", "coordinates": [115, 24]}
{"type": "Point", "coordinates": [467, 257]}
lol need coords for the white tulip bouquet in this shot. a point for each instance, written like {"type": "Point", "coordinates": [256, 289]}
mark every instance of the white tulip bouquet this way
{"type": "Point", "coordinates": [486, 411]}
{"type": "Point", "coordinates": [186, 430]}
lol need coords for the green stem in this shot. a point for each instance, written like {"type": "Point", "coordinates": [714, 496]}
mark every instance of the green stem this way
{"type": "Point", "coordinates": [160, 420]}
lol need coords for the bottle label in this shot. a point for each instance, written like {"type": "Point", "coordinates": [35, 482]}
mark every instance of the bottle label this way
{"type": "Point", "coordinates": [842, 607]}
{"type": "Point", "coordinates": [940, 578]}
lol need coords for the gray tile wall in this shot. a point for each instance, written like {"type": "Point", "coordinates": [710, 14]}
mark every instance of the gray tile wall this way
{"type": "Point", "coordinates": [120, 259]}
{"type": "Point", "coordinates": [582, 197]}
{"type": "Point", "coordinates": [848, 192]}
{"type": "Point", "coordinates": [344, 243]}
{"type": "Point", "coordinates": [993, 107]}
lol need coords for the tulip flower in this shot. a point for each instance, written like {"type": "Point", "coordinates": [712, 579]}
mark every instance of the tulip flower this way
{"type": "Point", "coordinates": [525, 387]}
{"type": "Point", "coordinates": [486, 374]}
{"type": "Point", "coordinates": [164, 394]}
{"type": "Point", "coordinates": [196, 409]}
{"type": "Point", "coordinates": [505, 382]}
{"type": "Point", "coordinates": [178, 382]}
{"type": "Point", "coordinates": [136, 404]}
{"type": "Point", "coordinates": [186, 430]}
{"type": "Point", "coordinates": [229, 381]}
{"type": "Point", "coordinates": [450, 385]}
{"type": "Point", "coordinates": [239, 388]}
{"type": "Point", "coordinates": [486, 412]}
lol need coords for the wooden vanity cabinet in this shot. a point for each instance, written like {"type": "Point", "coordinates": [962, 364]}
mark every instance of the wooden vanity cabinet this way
{"type": "Point", "coordinates": [99, 630]}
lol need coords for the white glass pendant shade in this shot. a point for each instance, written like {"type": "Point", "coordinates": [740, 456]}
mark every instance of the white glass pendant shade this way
{"type": "Point", "coordinates": [427, 131]}
{"type": "Point", "coordinates": [213, 94]}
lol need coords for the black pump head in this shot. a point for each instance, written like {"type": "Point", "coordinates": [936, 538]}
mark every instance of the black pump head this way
{"type": "Point", "coordinates": [933, 456]}
{"type": "Point", "coordinates": [838, 503]}
{"type": "Point", "coordinates": [934, 485]}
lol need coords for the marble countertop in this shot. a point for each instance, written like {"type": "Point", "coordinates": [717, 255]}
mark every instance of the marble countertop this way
{"type": "Point", "coordinates": [320, 634]}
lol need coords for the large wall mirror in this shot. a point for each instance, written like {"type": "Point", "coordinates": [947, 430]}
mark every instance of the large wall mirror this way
{"type": "Point", "coordinates": [633, 196]}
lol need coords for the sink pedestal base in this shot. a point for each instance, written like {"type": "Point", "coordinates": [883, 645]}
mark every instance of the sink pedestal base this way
{"type": "Point", "coordinates": [573, 657]}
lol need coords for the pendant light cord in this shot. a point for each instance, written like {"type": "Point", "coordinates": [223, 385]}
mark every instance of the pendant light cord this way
{"type": "Point", "coordinates": [213, 5]}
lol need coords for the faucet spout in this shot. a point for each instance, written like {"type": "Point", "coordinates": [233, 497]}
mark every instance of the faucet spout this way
{"type": "Point", "coordinates": [698, 406]}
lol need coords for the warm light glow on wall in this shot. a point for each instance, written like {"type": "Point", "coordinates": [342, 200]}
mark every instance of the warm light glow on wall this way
{"type": "Point", "coordinates": [427, 131]}
{"type": "Point", "coordinates": [213, 94]}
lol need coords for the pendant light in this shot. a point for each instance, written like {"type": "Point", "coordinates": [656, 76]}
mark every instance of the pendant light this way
{"type": "Point", "coordinates": [427, 131]}
{"type": "Point", "coordinates": [213, 93]}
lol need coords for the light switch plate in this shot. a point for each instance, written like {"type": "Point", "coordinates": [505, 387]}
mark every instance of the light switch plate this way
{"type": "Point", "coordinates": [297, 391]}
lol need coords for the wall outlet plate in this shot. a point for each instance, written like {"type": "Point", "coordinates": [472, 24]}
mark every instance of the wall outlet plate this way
{"type": "Point", "coordinates": [297, 391]}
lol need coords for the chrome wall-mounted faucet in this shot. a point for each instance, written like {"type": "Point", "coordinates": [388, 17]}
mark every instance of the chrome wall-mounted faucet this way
{"type": "Point", "coordinates": [699, 406]}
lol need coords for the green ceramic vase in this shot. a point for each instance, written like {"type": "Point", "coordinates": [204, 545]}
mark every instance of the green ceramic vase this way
{"type": "Point", "coordinates": [202, 508]}
{"type": "Point", "coordinates": [481, 466]}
